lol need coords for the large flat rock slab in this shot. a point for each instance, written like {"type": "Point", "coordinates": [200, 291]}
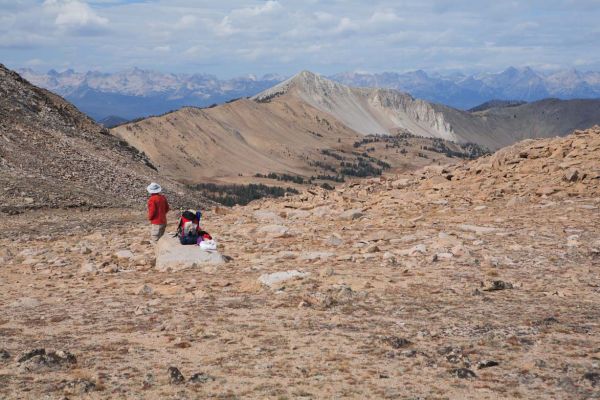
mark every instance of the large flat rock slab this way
{"type": "Point", "coordinates": [172, 255]}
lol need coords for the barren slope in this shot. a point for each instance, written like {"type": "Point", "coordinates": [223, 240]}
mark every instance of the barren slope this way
{"type": "Point", "coordinates": [240, 137]}
{"type": "Point", "coordinates": [475, 282]}
{"type": "Point", "coordinates": [51, 155]}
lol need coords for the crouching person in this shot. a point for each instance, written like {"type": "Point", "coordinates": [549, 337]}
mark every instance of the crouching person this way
{"type": "Point", "coordinates": [158, 207]}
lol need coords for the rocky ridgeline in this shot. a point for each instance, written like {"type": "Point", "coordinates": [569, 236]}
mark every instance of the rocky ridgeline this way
{"type": "Point", "coordinates": [530, 171]}
{"type": "Point", "coordinates": [54, 156]}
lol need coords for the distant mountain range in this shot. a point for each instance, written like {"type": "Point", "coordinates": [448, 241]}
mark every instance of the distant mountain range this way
{"type": "Point", "coordinates": [138, 93]}
{"type": "Point", "coordinates": [468, 91]}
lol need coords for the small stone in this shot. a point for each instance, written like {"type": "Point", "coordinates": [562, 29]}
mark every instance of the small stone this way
{"type": "Point", "coordinates": [351, 214]}
{"type": "Point", "coordinates": [498, 285]}
{"type": "Point", "coordinates": [201, 378]}
{"type": "Point", "coordinates": [487, 364]}
{"type": "Point", "coordinates": [372, 249]}
{"type": "Point", "coordinates": [145, 290]}
{"type": "Point", "coordinates": [279, 277]}
{"type": "Point", "coordinates": [546, 191]}
{"type": "Point", "coordinates": [444, 256]}
{"type": "Point", "coordinates": [175, 376]}
{"type": "Point", "coordinates": [593, 378]}
{"type": "Point", "coordinates": [124, 254]}
{"type": "Point", "coordinates": [274, 231]}
{"type": "Point", "coordinates": [88, 268]}
{"type": "Point", "coordinates": [463, 373]}
{"type": "Point", "coordinates": [396, 342]}
{"type": "Point", "coordinates": [417, 250]}
{"type": "Point", "coordinates": [80, 386]}
{"type": "Point", "coordinates": [4, 355]}
{"type": "Point", "coordinates": [571, 175]}
{"type": "Point", "coordinates": [39, 359]}
{"type": "Point", "coordinates": [25, 302]}
{"type": "Point", "coordinates": [477, 229]}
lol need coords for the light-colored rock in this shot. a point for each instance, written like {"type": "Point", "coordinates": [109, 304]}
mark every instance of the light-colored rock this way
{"type": "Point", "coordinates": [274, 231]}
{"type": "Point", "coordinates": [287, 255]}
{"type": "Point", "coordinates": [170, 254]}
{"type": "Point", "coordinates": [87, 268]}
{"type": "Point", "coordinates": [414, 251]}
{"type": "Point", "coordinates": [145, 290]}
{"type": "Point", "coordinates": [25, 302]}
{"type": "Point", "coordinates": [124, 254]}
{"type": "Point", "coordinates": [316, 255]}
{"type": "Point", "coordinates": [279, 277]}
{"type": "Point", "coordinates": [477, 229]}
{"type": "Point", "coordinates": [351, 214]}
{"type": "Point", "coordinates": [401, 183]}
{"type": "Point", "coordinates": [267, 216]}
{"type": "Point", "coordinates": [571, 175]}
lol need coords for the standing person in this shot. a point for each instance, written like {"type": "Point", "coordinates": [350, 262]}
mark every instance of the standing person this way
{"type": "Point", "coordinates": [158, 207]}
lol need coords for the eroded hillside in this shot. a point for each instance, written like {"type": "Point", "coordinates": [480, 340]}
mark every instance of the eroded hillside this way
{"type": "Point", "coordinates": [52, 155]}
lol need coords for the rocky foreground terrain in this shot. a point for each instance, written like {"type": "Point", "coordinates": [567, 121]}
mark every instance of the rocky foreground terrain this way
{"type": "Point", "coordinates": [478, 280]}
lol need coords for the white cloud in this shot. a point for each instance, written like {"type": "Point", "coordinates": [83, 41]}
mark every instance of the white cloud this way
{"type": "Point", "coordinates": [186, 21]}
{"type": "Point", "coordinates": [76, 16]}
{"type": "Point", "coordinates": [225, 27]}
{"type": "Point", "coordinates": [384, 17]}
{"type": "Point", "coordinates": [285, 36]}
{"type": "Point", "coordinates": [266, 8]}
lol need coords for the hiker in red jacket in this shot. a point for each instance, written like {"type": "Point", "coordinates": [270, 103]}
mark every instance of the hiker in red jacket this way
{"type": "Point", "coordinates": [158, 207]}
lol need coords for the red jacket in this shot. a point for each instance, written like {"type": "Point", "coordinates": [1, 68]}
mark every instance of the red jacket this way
{"type": "Point", "coordinates": [158, 207]}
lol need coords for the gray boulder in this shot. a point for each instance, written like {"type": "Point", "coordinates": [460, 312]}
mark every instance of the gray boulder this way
{"type": "Point", "coordinates": [171, 255]}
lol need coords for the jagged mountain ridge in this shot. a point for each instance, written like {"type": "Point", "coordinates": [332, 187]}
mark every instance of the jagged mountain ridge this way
{"type": "Point", "coordinates": [467, 91]}
{"type": "Point", "coordinates": [52, 155]}
{"type": "Point", "coordinates": [388, 111]}
{"type": "Point", "coordinates": [137, 93]}
{"type": "Point", "coordinates": [367, 111]}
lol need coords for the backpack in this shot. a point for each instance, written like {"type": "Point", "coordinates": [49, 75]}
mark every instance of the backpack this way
{"type": "Point", "coordinates": [188, 228]}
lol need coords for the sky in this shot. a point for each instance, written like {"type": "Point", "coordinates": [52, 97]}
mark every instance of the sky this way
{"type": "Point", "coordinates": [233, 38]}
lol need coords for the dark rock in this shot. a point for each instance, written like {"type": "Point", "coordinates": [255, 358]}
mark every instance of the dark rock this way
{"type": "Point", "coordinates": [593, 378]}
{"type": "Point", "coordinates": [572, 175]}
{"type": "Point", "coordinates": [80, 386]}
{"type": "Point", "coordinates": [201, 378]}
{"type": "Point", "coordinates": [39, 359]}
{"type": "Point", "coordinates": [487, 364]}
{"type": "Point", "coordinates": [4, 355]}
{"type": "Point", "coordinates": [499, 285]}
{"type": "Point", "coordinates": [548, 321]}
{"type": "Point", "coordinates": [396, 342]}
{"type": "Point", "coordinates": [175, 376]}
{"type": "Point", "coordinates": [31, 354]}
{"type": "Point", "coordinates": [463, 373]}
{"type": "Point", "coordinates": [409, 353]}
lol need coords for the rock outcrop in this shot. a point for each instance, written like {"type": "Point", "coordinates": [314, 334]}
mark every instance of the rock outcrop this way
{"type": "Point", "coordinates": [172, 256]}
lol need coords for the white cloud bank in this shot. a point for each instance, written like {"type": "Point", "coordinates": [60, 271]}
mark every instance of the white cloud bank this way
{"type": "Point", "coordinates": [237, 37]}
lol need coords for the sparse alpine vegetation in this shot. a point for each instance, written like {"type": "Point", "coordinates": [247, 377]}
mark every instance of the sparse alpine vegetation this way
{"type": "Point", "coordinates": [231, 195]}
